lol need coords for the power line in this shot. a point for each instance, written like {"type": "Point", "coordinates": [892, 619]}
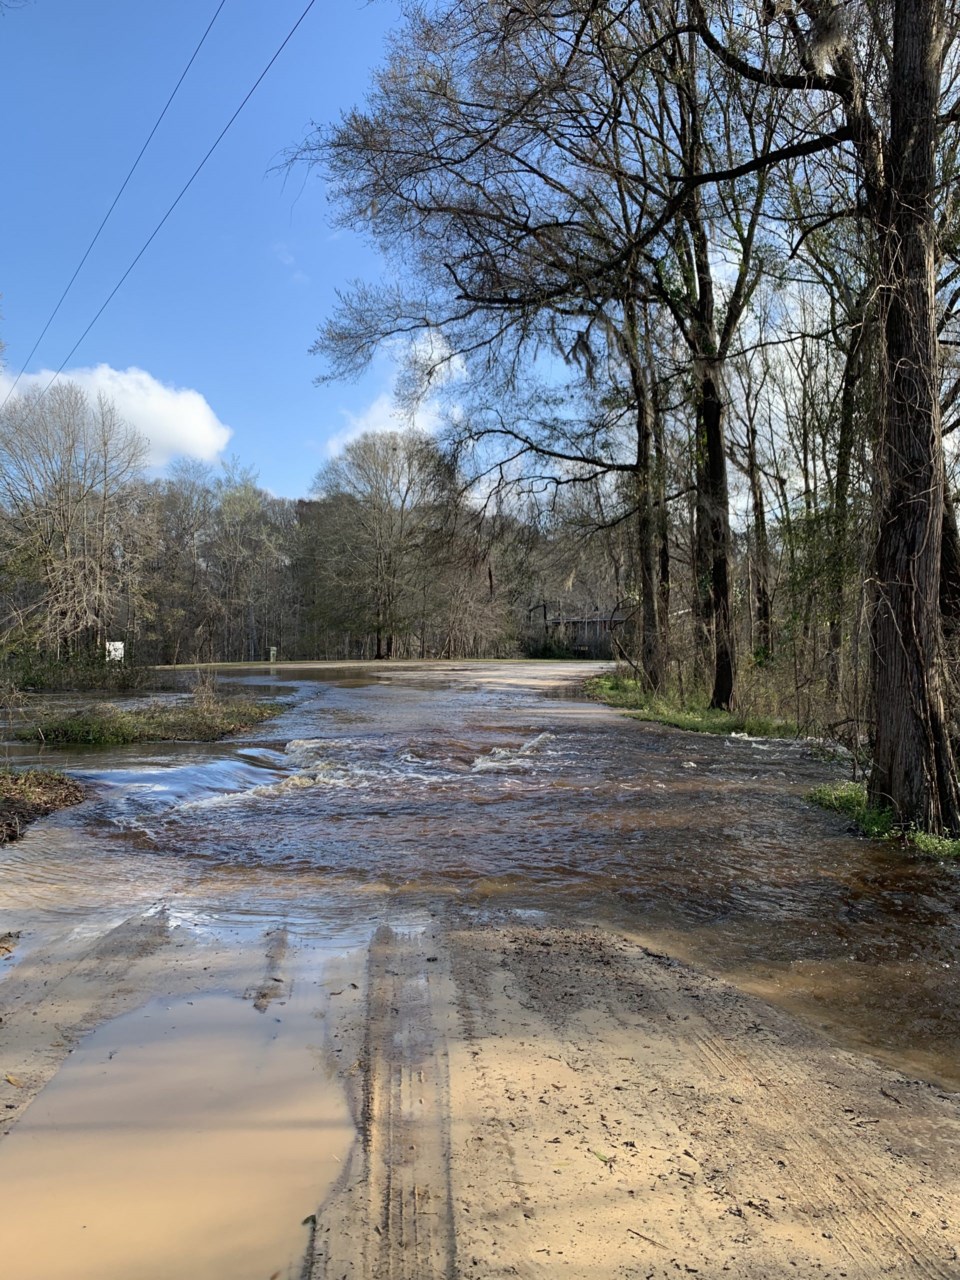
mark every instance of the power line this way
{"type": "Point", "coordinates": [183, 191]}
{"type": "Point", "coordinates": [116, 198]}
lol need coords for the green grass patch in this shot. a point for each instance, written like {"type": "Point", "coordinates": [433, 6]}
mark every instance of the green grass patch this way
{"type": "Point", "coordinates": [850, 799]}
{"type": "Point", "coordinates": [626, 693]}
{"type": "Point", "coordinates": [933, 846]}
{"type": "Point", "coordinates": [32, 793]}
{"type": "Point", "coordinates": [203, 721]}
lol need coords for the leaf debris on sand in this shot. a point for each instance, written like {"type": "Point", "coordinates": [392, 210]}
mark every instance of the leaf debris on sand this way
{"type": "Point", "coordinates": [28, 794]}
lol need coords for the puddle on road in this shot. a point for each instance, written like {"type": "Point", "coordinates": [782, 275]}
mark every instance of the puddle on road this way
{"type": "Point", "coordinates": [189, 1138]}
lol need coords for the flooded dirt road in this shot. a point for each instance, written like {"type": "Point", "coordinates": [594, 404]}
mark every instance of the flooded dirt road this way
{"type": "Point", "coordinates": [242, 888]}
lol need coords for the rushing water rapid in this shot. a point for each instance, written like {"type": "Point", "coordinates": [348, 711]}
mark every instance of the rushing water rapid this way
{"type": "Point", "coordinates": [373, 793]}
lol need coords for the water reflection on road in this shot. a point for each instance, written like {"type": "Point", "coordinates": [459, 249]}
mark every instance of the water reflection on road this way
{"type": "Point", "coordinates": [376, 790]}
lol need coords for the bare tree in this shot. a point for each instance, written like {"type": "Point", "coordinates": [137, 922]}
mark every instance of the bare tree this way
{"type": "Point", "coordinates": [67, 474]}
{"type": "Point", "coordinates": [389, 482]}
{"type": "Point", "coordinates": [538, 167]}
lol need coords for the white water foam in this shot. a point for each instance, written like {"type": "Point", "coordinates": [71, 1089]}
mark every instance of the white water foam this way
{"type": "Point", "coordinates": [509, 759]}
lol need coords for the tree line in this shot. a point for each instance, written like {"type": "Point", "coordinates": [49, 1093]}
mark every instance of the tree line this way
{"type": "Point", "coordinates": [386, 558]}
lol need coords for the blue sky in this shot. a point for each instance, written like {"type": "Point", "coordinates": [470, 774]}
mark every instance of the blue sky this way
{"type": "Point", "coordinates": [209, 335]}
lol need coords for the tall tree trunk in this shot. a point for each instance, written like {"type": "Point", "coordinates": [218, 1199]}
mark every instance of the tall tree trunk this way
{"type": "Point", "coordinates": [914, 766]}
{"type": "Point", "coordinates": [713, 535]}
{"type": "Point", "coordinates": [663, 525]}
{"type": "Point", "coordinates": [840, 515]}
{"type": "Point", "coordinates": [761, 587]}
{"type": "Point", "coordinates": [651, 650]}
{"type": "Point", "coordinates": [712, 555]}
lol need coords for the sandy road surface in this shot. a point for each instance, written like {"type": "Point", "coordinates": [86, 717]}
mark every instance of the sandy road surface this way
{"type": "Point", "coordinates": [533, 1100]}
{"type": "Point", "coordinates": [540, 1101]}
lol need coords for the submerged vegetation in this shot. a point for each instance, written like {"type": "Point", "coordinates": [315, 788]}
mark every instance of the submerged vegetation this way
{"type": "Point", "coordinates": [32, 793]}
{"type": "Point", "coordinates": [203, 720]}
{"type": "Point", "coordinates": [852, 800]}
{"type": "Point", "coordinates": [627, 693]}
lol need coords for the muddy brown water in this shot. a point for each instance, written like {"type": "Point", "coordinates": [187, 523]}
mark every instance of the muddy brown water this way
{"type": "Point", "coordinates": [185, 1139]}
{"type": "Point", "coordinates": [377, 792]}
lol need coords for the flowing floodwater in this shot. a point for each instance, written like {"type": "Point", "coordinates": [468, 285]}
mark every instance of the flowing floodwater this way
{"type": "Point", "coordinates": [373, 795]}
{"type": "Point", "coordinates": [480, 781]}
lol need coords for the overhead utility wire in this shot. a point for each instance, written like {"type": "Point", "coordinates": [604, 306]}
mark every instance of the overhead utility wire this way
{"type": "Point", "coordinates": [116, 198]}
{"type": "Point", "coordinates": [186, 187]}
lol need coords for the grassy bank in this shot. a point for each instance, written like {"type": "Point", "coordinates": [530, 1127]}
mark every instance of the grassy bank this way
{"type": "Point", "coordinates": [618, 690]}
{"type": "Point", "coordinates": [30, 794]}
{"type": "Point", "coordinates": [203, 721]}
{"type": "Point", "coordinates": [850, 799]}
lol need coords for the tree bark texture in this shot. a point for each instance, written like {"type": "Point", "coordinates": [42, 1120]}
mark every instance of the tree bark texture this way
{"type": "Point", "coordinates": [950, 571]}
{"type": "Point", "coordinates": [914, 766]}
{"type": "Point", "coordinates": [840, 514]}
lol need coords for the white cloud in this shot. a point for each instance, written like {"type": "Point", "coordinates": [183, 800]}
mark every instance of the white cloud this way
{"type": "Point", "coordinates": [430, 355]}
{"type": "Point", "coordinates": [286, 257]}
{"type": "Point", "coordinates": [382, 414]}
{"type": "Point", "coordinates": [423, 373]}
{"type": "Point", "coordinates": [177, 421]}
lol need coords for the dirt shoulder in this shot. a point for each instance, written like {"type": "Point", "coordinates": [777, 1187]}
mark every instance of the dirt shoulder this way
{"type": "Point", "coordinates": [540, 1101]}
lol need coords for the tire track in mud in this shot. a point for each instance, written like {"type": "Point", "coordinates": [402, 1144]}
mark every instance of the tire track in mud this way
{"type": "Point", "coordinates": [540, 1101]}
{"type": "Point", "coordinates": [273, 985]}
{"type": "Point", "coordinates": [391, 1215]}
{"type": "Point", "coordinates": [790, 1125]}
{"type": "Point", "coordinates": [821, 1147]}
{"type": "Point", "coordinates": [545, 1175]}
